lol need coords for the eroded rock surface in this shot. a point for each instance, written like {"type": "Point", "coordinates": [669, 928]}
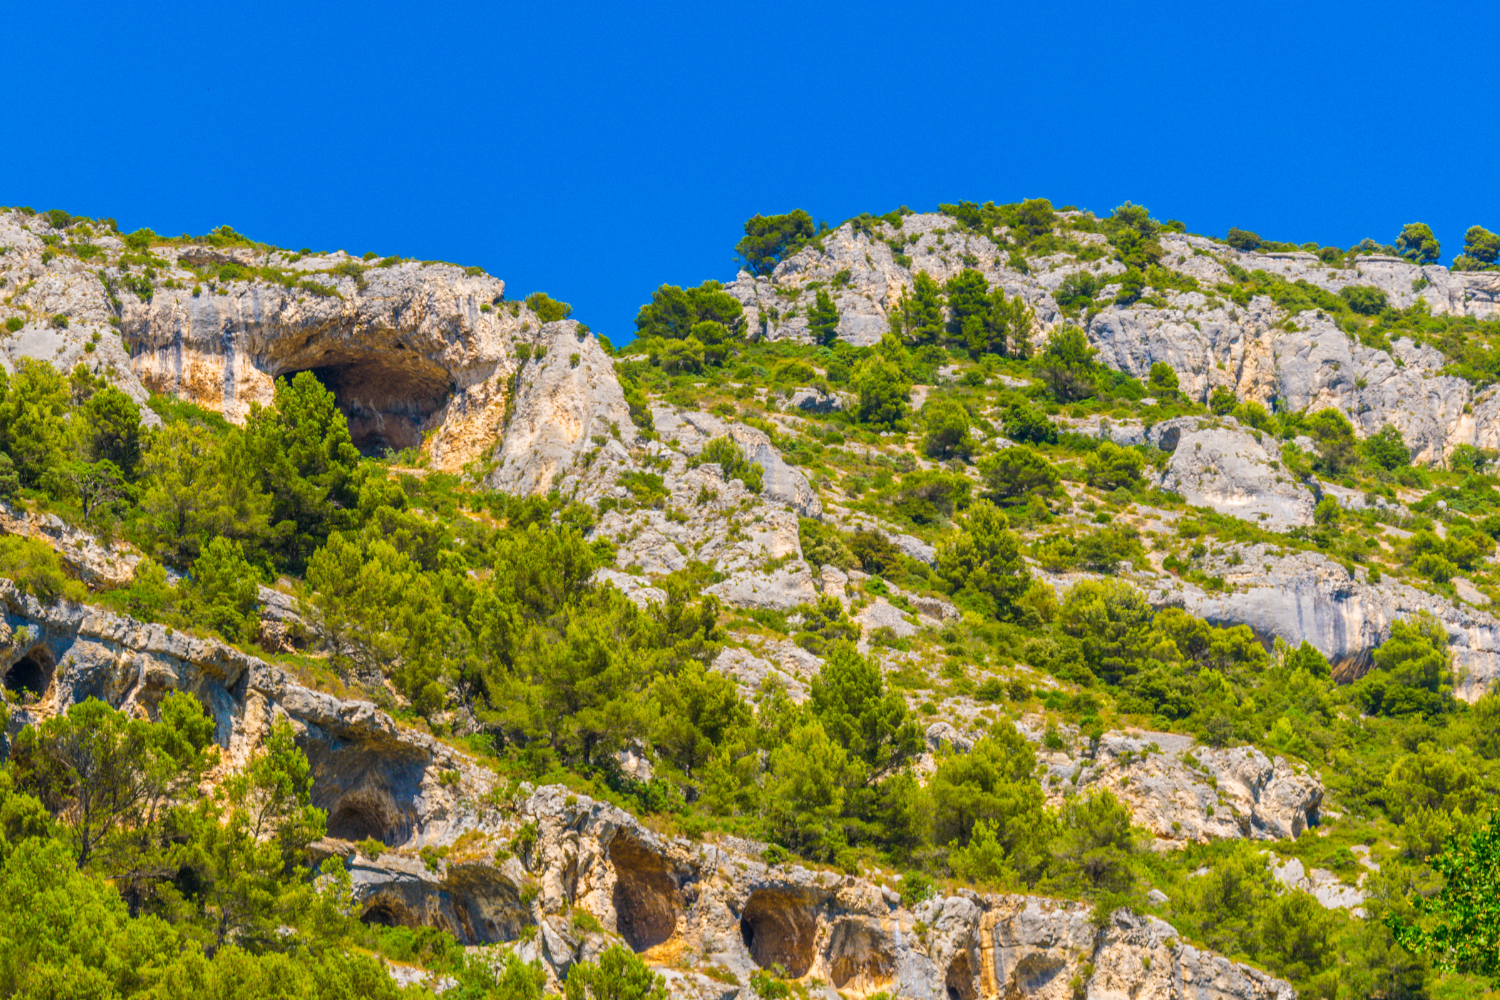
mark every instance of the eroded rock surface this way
{"type": "Point", "coordinates": [675, 902]}
{"type": "Point", "coordinates": [1295, 596]}
{"type": "Point", "coordinates": [1185, 792]}
{"type": "Point", "coordinates": [1229, 470]}
{"type": "Point", "coordinates": [1207, 341]}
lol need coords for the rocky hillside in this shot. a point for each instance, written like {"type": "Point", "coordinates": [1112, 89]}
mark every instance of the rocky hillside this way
{"type": "Point", "coordinates": [953, 604]}
{"type": "Point", "coordinates": [719, 905]}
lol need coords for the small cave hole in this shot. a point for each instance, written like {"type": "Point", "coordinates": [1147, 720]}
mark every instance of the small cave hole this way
{"type": "Point", "coordinates": [30, 676]}
{"type": "Point", "coordinates": [859, 957]}
{"type": "Point", "coordinates": [960, 979]}
{"type": "Point", "coordinates": [779, 928]}
{"type": "Point", "coordinates": [646, 899]}
{"type": "Point", "coordinates": [384, 914]}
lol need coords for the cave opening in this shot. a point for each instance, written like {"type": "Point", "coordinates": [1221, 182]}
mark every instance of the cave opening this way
{"type": "Point", "coordinates": [779, 928]}
{"type": "Point", "coordinates": [383, 914]}
{"type": "Point", "coordinates": [645, 899]}
{"type": "Point", "coordinates": [30, 676]}
{"type": "Point", "coordinates": [959, 982]}
{"type": "Point", "coordinates": [486, 906]}
{"type": "Point", "coordinates": [387, 396]}
{"type": "Point", "coordinates": [860, 957]}
{"type": "Point", "coordinates": [356, 819]}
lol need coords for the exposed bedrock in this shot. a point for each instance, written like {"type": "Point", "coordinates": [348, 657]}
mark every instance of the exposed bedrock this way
{"type": "Point", "coordinates": [406, 350]}
{"type": "Point", "coordinates": [1208, 342]}
{"type": "Point", "coordinates": [476, 903]}
{"type": "Point", "coordinates": [1296, 596]}
{"type": "Point", "coordinates": [417, 355]}
{"type": "Point", "coordinates": [670, 899]}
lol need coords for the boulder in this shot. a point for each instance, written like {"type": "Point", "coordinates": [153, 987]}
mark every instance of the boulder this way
{"type": "Point", "coordinates": [1229, 470]}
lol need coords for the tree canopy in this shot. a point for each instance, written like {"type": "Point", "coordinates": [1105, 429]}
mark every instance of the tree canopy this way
{"type": "Point", "coordinates": [770, 239]}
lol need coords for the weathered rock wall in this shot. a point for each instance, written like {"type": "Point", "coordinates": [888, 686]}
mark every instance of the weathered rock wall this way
{"type": "Point", "coordinates": [1185, 792]}
{"type": "Point", "coordinates": [1296, 596]}
{"type": "Point", "coordinates": [682, 905]}
{"type": "Point", "coordinates": [419, 354]}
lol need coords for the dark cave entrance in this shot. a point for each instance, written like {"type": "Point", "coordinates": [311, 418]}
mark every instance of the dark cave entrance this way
{"type": "Point", "coordinates": [646, 899]}
{"type": "Point", "coordinates": [357, 821]}
{"type": "Point", "coordinates": [383, 914]}
{"type": "Point", "coordinates": [387, 396]}
{"type": "Point", "coordinates": [30, 676]}
{"type": "Point", "coordinates": [960, 981]}
{"type": "Point", "coordinates": [779, 928]}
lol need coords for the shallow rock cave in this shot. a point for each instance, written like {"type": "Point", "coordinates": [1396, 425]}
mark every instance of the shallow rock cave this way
{"type": "Point", "coordinates": [486, 906]}
{"type": "Point", "coordinates": [860, 957]}
{"type": "Point", "coordinates": [387, 395]}
{"type": "Point", "coordinates": [362, 818]}
{"type": "Point", "coordinates": [385, 913]}
{"type": "Point", "coordinates": [961, 982]}
{"type": "Point", "coordinates": [779, 928]}
{"type": "Point", "coordinates": [474, 903]}
{"type": "Point", "coordinates": [368, 789]}
{"type": "Point", "coordinates": [31, 675]}
{"type": "Point", "coordinates": [646, 899]}
{"type": "Point", "coordinates": [1034, 972]}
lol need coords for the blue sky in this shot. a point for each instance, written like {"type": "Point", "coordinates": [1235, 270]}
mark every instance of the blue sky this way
{"type": "Point", "coordinates": [597, 151]}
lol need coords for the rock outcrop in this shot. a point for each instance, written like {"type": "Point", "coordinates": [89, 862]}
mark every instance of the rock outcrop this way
{"type": "Point", "coordinates": [781, 483]}
{"type": "Point", "coordinates": [1296, 596]}
{"type": "Point", "coordinates": [519, 866]}
{"type": "Point", "coordinates": [1185, 792]}
{"type": "Point", "coordinates": [567, 401]}
{"type": "Point", "coordinates": [1231, 471]}
{"type": "Point", "coordinates": [418, 354]}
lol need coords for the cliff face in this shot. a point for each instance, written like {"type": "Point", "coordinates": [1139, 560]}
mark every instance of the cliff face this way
{"type": "Point", "coordinates": [418, 354]}
{"type": "Point", "coordinates": [521, 864]}
{"type": "Point", "coordinates": [406, 349]}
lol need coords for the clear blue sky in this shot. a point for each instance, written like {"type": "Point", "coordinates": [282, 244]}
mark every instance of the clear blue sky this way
{"type": "Point", "coordinates": [597, 151]}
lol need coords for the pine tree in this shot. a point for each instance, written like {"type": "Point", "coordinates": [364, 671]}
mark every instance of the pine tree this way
{"type": "Point", "coordinates": [823, 319]}
{"type": "Point", "coordinates": [969, 310]}
{"type": "Point", "coordinates": [921, 311]}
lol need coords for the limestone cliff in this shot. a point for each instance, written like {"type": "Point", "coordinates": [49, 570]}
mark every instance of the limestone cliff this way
{"type": "Point", "coordinates": [519, 865]}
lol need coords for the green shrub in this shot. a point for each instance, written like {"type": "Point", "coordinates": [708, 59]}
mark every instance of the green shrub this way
{"type": "Point", "coordinates": [548, 309]}
{"type": "Point", "coordinates": [60, 321]}
{"type": "Point", "coordinates": [1111, 467]}
{"type": "Point", "coordinates": [1364, 299]}
{"type": "Point", "coordinates": [14, 324]}
{"type": "Point", "coordinates": [732, 462]}
{"type": "Point", "coordinates": [1242, 239]}
{"type": "Point", "coordinates": [1078, 290]}
{"type": "Point", "coordinates": [37, 570]}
